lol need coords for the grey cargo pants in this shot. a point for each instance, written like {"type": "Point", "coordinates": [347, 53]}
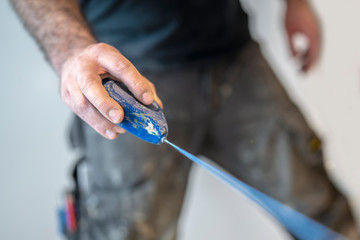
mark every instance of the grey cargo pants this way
{"type": "Point", "coordinates": [235, 112]}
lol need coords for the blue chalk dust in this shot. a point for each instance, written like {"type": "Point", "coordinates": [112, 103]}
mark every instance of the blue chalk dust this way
{"type": "Point", "coordinates": [296, 223]}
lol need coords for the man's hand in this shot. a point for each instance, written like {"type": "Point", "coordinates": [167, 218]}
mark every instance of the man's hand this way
{"type": "Point", "coordinates": [81, 87]}
{"type": "Point", "coordinates": [300, 18]}
{"type": "Point", "coordinates": [64, 35]}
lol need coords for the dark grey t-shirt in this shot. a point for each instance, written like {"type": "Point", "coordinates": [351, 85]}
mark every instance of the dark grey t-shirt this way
{"type": "Point", "coordinates": [163, 34]}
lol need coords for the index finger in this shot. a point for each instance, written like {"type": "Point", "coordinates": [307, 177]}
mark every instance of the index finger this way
{"type": "Point", "coordinates": [121, 68]}
{"type": "Point", "coordinates": [91, 86]}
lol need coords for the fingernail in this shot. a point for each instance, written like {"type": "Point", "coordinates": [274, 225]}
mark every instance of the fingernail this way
{"type": "Point", "coordinates": [115, 115]}
{"type": "Point", "coordinates": [148, 97]}
{"type": "Point", "coordinates": [110, 134]}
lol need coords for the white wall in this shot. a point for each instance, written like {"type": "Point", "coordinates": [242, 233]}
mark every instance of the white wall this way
{"type": "Point", "coordinates": [34, 157]}
{"type": "Point", "coordinates": [330, 94]}
{"type": "Point", "coordinates": [333, 90]}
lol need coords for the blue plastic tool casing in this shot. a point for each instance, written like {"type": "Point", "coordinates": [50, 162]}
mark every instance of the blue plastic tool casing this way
{"type": "Point", "coordinates": [146, 122]}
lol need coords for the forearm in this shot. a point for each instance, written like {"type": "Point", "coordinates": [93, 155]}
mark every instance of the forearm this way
{"type": "Point", "coordinates": [57, 25]}
{"type": "Point", "coordinates": [67, 41]}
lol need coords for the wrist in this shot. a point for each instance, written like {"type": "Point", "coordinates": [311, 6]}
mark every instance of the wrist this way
{"type": "Point", "coordinates": [58, 57]}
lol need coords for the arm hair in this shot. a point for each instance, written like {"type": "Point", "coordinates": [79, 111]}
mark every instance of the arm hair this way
{"type": "Point", "coordinates": [57, 25]}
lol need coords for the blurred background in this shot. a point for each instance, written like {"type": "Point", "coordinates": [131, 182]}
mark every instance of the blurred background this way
{"type": "Point", "coordinates": [35, 159]}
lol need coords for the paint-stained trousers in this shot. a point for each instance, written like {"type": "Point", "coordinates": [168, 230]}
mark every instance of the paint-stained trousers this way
{"type": "Point", "coordinates": [233, 111]}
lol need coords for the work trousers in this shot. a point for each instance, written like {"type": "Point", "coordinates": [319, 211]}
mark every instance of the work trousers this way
{"type": "Point", "coordinates": [235, 112]}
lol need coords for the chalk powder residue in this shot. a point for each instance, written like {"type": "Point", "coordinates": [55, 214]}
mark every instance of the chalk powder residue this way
{"type": "Point", "coordinates": [150, 129]}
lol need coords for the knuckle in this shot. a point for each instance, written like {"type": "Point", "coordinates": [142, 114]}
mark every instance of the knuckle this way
{"type": "Point", "coordinates": [84, 84]}
{"type": "Point", "coordinates": [102, 128]}
{"type": "Point", "coordinates": [100, 103]}
{"type": "Point", "coordinates": [80, 59]}
{"type": "Point", "coordinates": [96, 49]}
{"type": "Point", "coordinates": [80, 107]}
{"type": "Point", "coordinates": [142, 86]}
{"type": "Point", "coordinates": [99, 128]}
{"type": "Point", "coordinates": [101, 46]}
{"type": "Point", "coordinates": [79, 62]}
{"type": "Point", "coordinates": [122, 66]}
